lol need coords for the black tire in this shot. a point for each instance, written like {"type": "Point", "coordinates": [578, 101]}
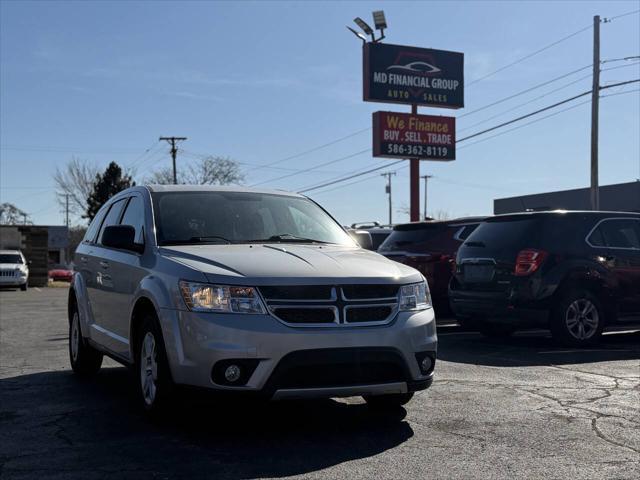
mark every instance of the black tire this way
{"type": "Point", "coordinates": [390, 401]}
{"type": "Point", "coordinates": [23, 287]}
{"type": "Point", "coordinates": [152, 377]}
{"type": "Point", "coordinates": [496, 330]}
{"type": "Point", "coordinates": [577, 319]}
{"type": "Point", "coordinates": [85, 360]}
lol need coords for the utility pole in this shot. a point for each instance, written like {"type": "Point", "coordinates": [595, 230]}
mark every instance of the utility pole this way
{"type": "Point", "coordinates": [426, 179]}
{"type": "Point", "coordinates": [388, 190]}
{"type": "Point", "coordinates": [595, 98]}
{"type": "Point", "coordinates": [174, 150]}
{"type": "Point", "coordinates": [414, 182]}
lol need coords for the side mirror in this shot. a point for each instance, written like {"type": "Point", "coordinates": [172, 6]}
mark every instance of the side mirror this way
{"type": "Point", "coordinates": [363, 238]}
{"type": "Point", "coordinates": [121, 237]}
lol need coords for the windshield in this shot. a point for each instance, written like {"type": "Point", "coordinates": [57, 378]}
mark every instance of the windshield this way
{"type": "Point", "coordinates": [237, 217]}
{"type": "Point", "coordinates": [10, 258]}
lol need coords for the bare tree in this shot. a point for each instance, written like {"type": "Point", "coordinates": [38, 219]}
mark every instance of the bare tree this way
{"type": "Point", "coordinates": [76, 180]}
{"type": "Point", "coordinates": [12, 215]}
{"type": "Point", "coordinates": [208, 171]}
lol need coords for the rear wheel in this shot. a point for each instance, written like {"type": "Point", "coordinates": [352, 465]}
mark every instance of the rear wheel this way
{"type": "Point", "coordinates": [85, 360]}
{"type": "Point", "coordinates": [578, 319]}
{"type": "Point", "coordinates": [393, 400]}
{"type": "Point", "coordinates": [153, 379]}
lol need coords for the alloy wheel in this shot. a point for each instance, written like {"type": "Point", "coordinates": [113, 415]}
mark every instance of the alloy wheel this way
{"type": "Point", "coordinates": [582, 319]}
{"type": "Point", "coordinates": [149, 368]}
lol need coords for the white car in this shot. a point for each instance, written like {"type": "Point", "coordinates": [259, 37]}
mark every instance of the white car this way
{"type": "Point", "coordinates": [14, 271]}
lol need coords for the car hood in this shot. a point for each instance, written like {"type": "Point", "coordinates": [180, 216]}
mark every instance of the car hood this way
{"type": "Point", "coordinates": [285, 263]}
{"type": "Point", "coordinates": [11, 266]}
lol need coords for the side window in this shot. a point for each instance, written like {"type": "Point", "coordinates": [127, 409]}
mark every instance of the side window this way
{"type": "Point", "coordinates": [618, 233]}
{"type": "Point", "coordinates": [90, 236]}
{"type": "Point", "coordinates": [464, 232]}
{"type": "Point", "coordinates": [134, 216]}
{"type": "Point", "coordinates": [112, 217]}
{"type": "Point", "coordinates": [596, 239]}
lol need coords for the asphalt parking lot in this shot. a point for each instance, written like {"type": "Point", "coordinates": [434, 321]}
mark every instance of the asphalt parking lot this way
{"type": "Point", "coordinates": [517, 408]}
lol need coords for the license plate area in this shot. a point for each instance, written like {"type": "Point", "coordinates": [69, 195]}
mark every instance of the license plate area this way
{"type": "Point", "coordinates": [478, 273]}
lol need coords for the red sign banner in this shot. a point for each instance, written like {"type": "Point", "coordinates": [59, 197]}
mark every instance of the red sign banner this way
{"type": "Point", "coordinates": [404, 135]}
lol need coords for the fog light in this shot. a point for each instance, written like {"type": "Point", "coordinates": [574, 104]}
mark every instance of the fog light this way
{"type": "Point", "coordinates": [425, 364]}
{"type": "Point", "coordinates": [232, 373]}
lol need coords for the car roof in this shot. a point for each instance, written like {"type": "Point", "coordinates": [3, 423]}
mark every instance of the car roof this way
{"type": "Point", "coordinates": [2, 252]}
{"type": "Point", "coordinates": [557, 213]}
{"type": "Point", "coordinates": [439, 223]}
{"type": "Point", "coordinates": [218, 188]}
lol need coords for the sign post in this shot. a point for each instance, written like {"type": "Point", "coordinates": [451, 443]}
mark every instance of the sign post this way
{"type": "Point", "coordinates": [414, 76]}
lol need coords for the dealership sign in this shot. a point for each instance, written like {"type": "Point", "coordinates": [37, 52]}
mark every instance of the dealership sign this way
{"type": "Point", "coordinates": [410, 75]}
{"type": "Point", "coordinates": [404, 135]}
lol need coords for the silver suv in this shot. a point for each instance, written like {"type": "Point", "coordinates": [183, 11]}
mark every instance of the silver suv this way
{"type": "Point", "coordinates": [14, 271]}
{"type": "Point", "coordinates": [244, 290]}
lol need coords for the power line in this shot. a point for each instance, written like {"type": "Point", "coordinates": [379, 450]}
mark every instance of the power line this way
{"type": "Point", "coordinates": [386, 165]}
{"type": "Point", "coordinates": [522, 59]}
{"type": "Point", "coordinates": [622, 15]}
{"type": "Point", "coordinates": [314, 168]}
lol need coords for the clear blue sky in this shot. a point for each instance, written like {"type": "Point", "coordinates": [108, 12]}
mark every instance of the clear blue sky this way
{"type": "Point", "coordinates": [266, 80]}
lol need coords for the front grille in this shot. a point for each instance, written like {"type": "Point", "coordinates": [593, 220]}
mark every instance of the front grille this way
{"type": "Point", "coordinates": [306, 315]}
{"type": "Point", "coordinates": [368, 314]}
{"type": "Point", "coordinates": [332, 305]}
{"type": "Point", "coordinates": [338, 367]}
{"type": "Point", "coordinates": [7, 273]}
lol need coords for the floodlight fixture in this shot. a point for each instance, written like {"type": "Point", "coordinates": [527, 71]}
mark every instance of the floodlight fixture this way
{"type": "Point", "coordinates": [358, 34]}
{"type": "Point", "coordinates": [364, 26]}
{"type": "Point", "coordinates": [379, 21]}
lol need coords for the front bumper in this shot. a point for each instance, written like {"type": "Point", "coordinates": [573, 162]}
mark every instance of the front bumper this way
{"type": "Point", "coordinates": [196, 342]}
{"type": "Point", "coordinates": [14, 281]}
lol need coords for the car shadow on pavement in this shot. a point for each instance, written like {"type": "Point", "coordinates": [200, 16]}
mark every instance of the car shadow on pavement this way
{"type": "Point", "coordinates": [531, 348]}
{"type": "Point", "coordinates": [52, 422]}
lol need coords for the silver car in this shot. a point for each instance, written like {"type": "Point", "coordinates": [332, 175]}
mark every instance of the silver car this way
{"type": "Point", "coordinates": [242, 290]}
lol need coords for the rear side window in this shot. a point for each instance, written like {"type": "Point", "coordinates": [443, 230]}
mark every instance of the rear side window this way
{"type": "Point", "coordinates": [112, 217]}
{"type": "Point", "coordinates": [465, 231]}
{"type": "Point", "coordinates": [505, 233]}
{"type": "Point", "coordinates": [431, 237]}
{"type": "Point", "coordinates": [92, 231]}
{"type": "Point", "coordinates": [617, 233]}
{"type": "Point", "coordinates": [134, 216]}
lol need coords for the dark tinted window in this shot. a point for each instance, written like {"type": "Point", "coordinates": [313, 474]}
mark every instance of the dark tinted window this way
{"type": "Point", "coordinates": [465, 231]}
{"type": "Point", "coordinates": [92, 231]}
{"type": "Point", "coordinates": [134, 216]}
{"type": "Point", "coordinates": [620, 233]}
{"type": "Point", "coordinates": [512, 232]}
{"type": "Point", "coordinates": [426, 237]}
{"type": "Point", "coordinates": [597, 239]}
{"type": "Point", "coordinates": [10, 258]}
{"type": "Point", "coordinates": [112, 217]}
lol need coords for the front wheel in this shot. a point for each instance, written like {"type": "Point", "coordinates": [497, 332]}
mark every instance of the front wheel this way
{"type": "Point", "coordinates": [577, 319]}
{"type": "Point", "coordinates": [393, 400]}
{"type": "Point", "coordinates": [153, 379]}
{"type": "Point", "coordinates": [23, 287]}
{"type": "Point", "coordinates": [85, 360]}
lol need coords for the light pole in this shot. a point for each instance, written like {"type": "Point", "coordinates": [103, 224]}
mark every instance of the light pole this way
{"type": "Point", "coordinates": [388, 190]}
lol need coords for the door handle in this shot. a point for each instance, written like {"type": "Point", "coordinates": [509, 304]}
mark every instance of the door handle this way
{"type": "Point", "coordinates": [104, 264]}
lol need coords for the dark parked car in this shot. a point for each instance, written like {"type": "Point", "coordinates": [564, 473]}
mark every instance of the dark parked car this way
{"type": "Point", "coordinates": [379, 233]}
{"type": "Point", "coordinates": [572, 272]}
{"type": "Point", "coordinates": [430, 247]}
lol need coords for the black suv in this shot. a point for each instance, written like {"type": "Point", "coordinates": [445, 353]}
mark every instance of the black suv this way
{"type": "Point", "coordinates": [572, 272]}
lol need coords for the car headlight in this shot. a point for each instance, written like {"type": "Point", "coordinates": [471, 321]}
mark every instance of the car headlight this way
{"type": "Point", "coordinates": [203, 297]}
{"type": "Point", "coordinates": [415, 297]}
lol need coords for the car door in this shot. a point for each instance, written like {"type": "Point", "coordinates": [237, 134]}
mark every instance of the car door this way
{"type": "Point", "coordinates": [621, 240]}
{"type": "Point", "coordinates": [101, 288]}
{"type": "Point", "coordinates": [126, 270]}
{"type": "Point", "coordinates": [85, 264]}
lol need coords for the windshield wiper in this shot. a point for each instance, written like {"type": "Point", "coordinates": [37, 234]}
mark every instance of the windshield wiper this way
{"type": "Point", "coordinates": [287, 237]}
{"type": "Point", "coordinates": [209, 238]}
